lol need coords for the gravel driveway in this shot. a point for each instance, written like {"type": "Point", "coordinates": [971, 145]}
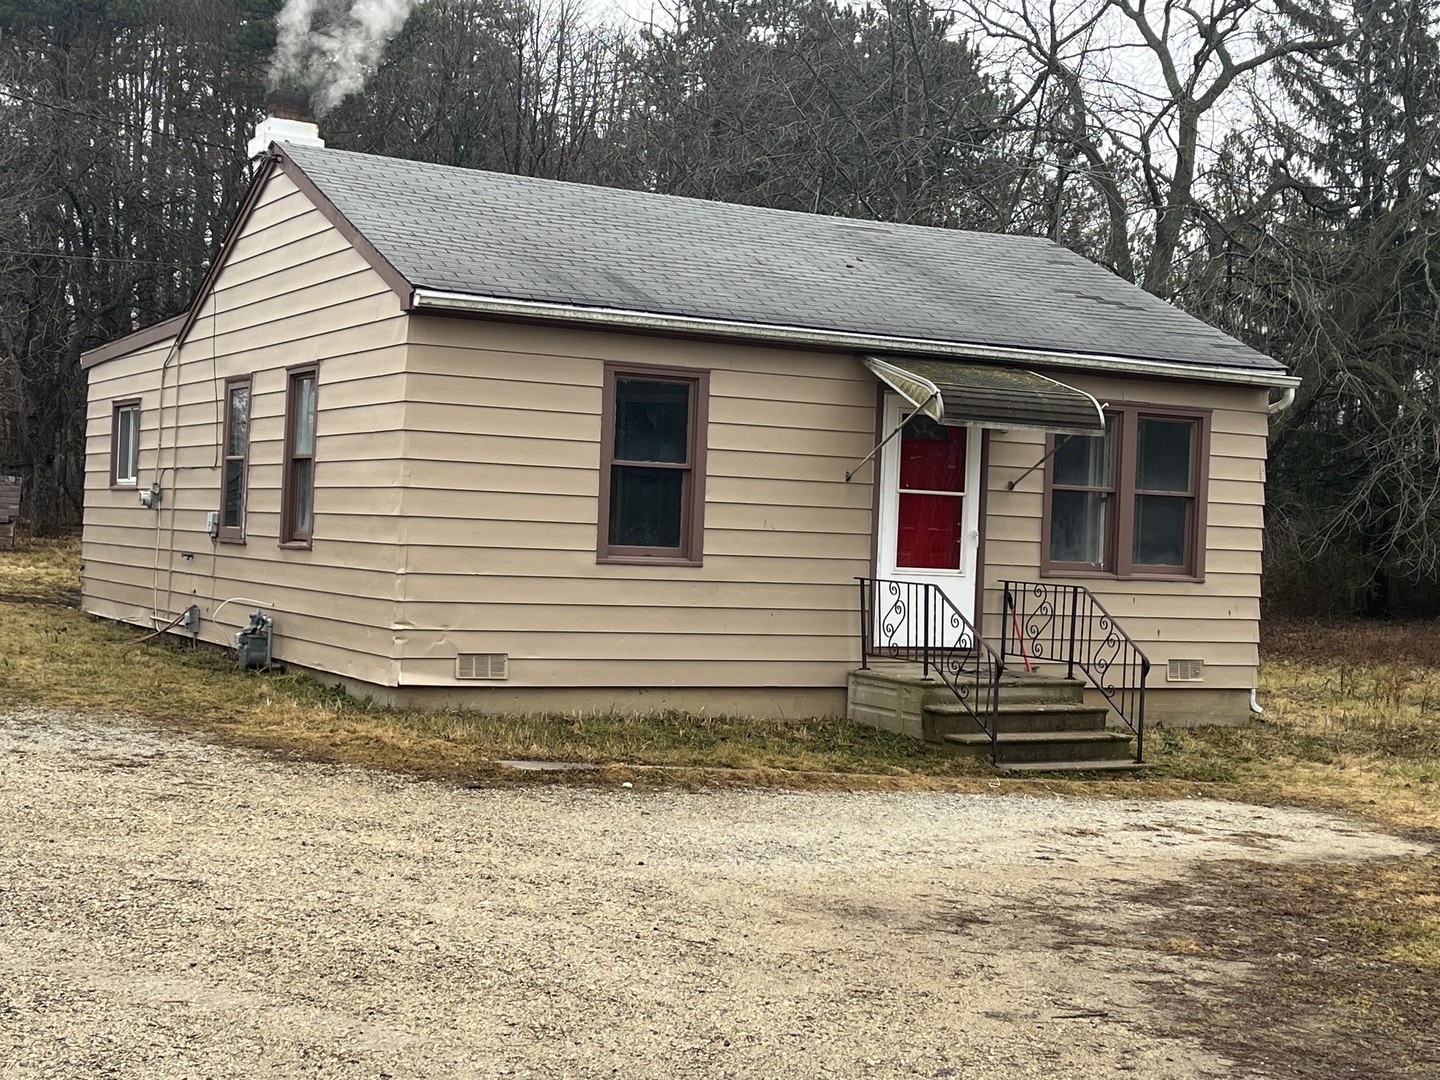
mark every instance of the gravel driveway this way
{"type": "Point", "coordinates": [170, 908]}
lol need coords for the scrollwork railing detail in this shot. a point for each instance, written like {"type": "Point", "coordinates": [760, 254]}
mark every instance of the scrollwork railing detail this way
{"type": "Point", "coordinates": [916, 621]}
{"type": "Point", "coordinates": [1066, 624]}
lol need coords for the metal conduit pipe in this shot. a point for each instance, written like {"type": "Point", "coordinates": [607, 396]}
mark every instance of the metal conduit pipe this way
{"type": "Point", "coordinates": [215, 615]}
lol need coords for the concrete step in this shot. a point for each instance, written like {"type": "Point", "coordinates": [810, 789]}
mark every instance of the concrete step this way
{"type": "Point", "coordinates": [897, 697]}
{"type": "Point", "coordinates": [1040, 688]}
{"type": "Point", "coordinates": [1018, 717]}
{"type": "Point", "coordinates": [1013, 686]}
{"type": "Point", "coordinates": [1028, 747]}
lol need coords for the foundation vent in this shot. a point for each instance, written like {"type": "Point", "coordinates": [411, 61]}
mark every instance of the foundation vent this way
{"type": "Point", "coordinates": [1185, 671]}
{"type": "Point", "coordinates": [482, 665]}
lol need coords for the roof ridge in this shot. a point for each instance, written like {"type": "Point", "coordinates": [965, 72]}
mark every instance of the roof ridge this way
{"type": "Point", "coordinates": [298, 152]}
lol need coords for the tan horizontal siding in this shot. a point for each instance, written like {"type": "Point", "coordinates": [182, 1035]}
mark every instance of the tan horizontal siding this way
{"type": "Point", "coordinates": [569, 523]}
{"type": "Point", "coordinates": [651, 622]}
{"type": "Point", "coordinates": [1216, 620]}
{"type": "Point", "coordinates": [1164, 697]}
{"type": "Point", "coordinates": [736, 647]}
{"type": "Point", "coordinates": [561, 568]}
{"type": "Point", "coordinates": [1215, 585]}
{"type": "Point", "coordinates": [122, 602]}
{"type": "Point", "coordinates": [302, 250]}
{"type": "Point", "coordinates": [805, 470]}
{"type": "Point", "coordinates": [601, 594]}
{"type": "Point", "coordinates": [462, 346]}
{"type": "Point", "coordinates": [120, 580]}
{"type": "Point", "coordinates": [291, 291]}
{"type": "Point", "coordinates": [1233, 538]}
{"type": "Point", "coordinates": [254, 561]}
{"type": "Point", "coordinates": [504, 477]}
{"type": "Point", "coordinates": [425, 503]}
{"type": "Point", "coordinates": [820, 494]}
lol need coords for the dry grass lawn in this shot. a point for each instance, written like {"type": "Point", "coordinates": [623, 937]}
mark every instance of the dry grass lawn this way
{"type": "Point", "coordinates": [1352, 721]}
{"type": "Point", "coordinates": [1352, 717]}
{"type": "Point", "coordinates": [1345, 960]}
{"type": "Point", "coordinates": [60, 656]}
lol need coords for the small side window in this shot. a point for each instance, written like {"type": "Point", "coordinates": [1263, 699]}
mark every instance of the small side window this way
{"type": "Point", "coordinates": [236, 460]}
{"type": "Point", "coordinates": [297, 506]}
{"type": "Point", "coordinates": [125, 444]}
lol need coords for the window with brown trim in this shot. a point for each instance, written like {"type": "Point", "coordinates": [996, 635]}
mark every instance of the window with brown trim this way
{"type": "Point", "coordinates": [234, 468]}
{"type": "Point", "coordinates": [1130, 503]}
{"type": "Point", "coordinates": [125, 444]}
{"type": "Point", "coordinates": [297, 495]}
{"type": "Point", "coordinates": [652, 465]}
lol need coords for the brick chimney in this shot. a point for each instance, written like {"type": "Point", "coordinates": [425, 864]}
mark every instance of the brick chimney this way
{"type": "Point", "coordinates": [287, 119]}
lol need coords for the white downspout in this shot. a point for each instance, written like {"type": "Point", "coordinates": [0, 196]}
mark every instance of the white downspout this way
{"type": "Point", "coordinates": [1279, 405]}
{"type": "Point", "coordinates": [1283, 402]}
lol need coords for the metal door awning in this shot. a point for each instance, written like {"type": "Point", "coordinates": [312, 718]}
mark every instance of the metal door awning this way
{"type": "Point", "coordinates": [953, 392]}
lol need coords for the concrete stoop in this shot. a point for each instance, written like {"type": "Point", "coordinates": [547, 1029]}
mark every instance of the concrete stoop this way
{"type": "Point", "coordinates": [1042, 723]}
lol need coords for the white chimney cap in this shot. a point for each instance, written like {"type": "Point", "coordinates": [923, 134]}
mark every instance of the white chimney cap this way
{"type": "Point", "coordinates": [280, 129]}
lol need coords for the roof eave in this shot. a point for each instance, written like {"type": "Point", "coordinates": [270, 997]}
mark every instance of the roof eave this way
{"type": "Point", "coordinates": [276, 161]}
{"type": "Point", "coordinates": [134, 341]}
{"type": "Point", "coordinates": [439, 300]}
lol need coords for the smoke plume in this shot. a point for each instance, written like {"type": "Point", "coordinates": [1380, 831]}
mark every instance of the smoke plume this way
{"type": "Point", "coordinates": [329, 47]}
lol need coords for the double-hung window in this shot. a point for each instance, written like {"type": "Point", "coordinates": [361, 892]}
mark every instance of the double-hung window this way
{"type": "Point", "coordinates": [297, 506]}
{"type": "Point", "coordinates": [235, 463]}
{"type": "Point", "coordinates": [125, 444]}
{"type": "Point", "coordinates": [1130, 503]}
{"type": "Point", "coordinates": [652, 467]}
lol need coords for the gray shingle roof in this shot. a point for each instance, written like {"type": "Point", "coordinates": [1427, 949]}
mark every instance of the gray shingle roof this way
{"type": "Point", "coordinates": [520, 238]}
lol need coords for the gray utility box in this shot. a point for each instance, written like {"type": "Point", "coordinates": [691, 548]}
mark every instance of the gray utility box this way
{"type": "Point", "coordinates": [252, 645]}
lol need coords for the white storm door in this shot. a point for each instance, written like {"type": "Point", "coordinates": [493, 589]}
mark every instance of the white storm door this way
{"type": "Point", "coordinates": [929, 527]}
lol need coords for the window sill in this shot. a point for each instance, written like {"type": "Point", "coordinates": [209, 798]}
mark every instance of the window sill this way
{"type": "Point", "coordinates": [295, 545]}
{"type": "Point", "coordinates": [646, 560]}
{"type": "Point", "coordinates": [230, 540]}
{"type": "Point", "coordinates": [126, 485]}
{"type": "Point", "coordinates": [1106, 575]}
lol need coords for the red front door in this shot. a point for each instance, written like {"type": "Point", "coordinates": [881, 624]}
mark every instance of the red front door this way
{"type": "Point", "coordinates": [929, 531]}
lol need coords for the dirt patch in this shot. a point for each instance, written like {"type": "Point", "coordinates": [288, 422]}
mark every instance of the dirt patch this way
{"type": "Point", "coordinates": [1343, 964]}
{"type": "Point", "coordinates": [169, 908]}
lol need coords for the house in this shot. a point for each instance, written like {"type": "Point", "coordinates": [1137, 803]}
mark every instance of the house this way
{"type": "Point", "coordinates": [508, 443]}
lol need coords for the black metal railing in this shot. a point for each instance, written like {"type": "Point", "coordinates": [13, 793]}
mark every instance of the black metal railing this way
{"type": "Point", "coordinates": [1065, 624]}
{"type": "Point", "coordinates": [915, 621]}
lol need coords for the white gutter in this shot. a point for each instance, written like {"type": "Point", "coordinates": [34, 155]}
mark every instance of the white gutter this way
{"type": "Point", "coordinates": [650, 322]}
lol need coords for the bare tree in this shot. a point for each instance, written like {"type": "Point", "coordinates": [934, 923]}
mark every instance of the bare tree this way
{"type": "Point", "coordinates": [133, 122]}
{"type": "Point", "coordinates": [1131, 95]}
